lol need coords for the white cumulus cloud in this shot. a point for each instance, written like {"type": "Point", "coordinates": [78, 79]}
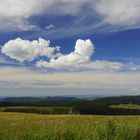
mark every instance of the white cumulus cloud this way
{"type": "Point", "coordinates": [25, 50]}
{"type": "Point", "coordinates": [84, 49]}
{"type": "Point", "coordinates": [77, 60]}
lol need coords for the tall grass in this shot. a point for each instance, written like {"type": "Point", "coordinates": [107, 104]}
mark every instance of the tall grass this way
{"type": "Point", "coordinates": [19, 126]}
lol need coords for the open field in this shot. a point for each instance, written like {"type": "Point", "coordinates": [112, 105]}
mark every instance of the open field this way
{"type": "Point", "coordinates": [22, 126]}
{"type": "Point", "coordinates": [126, 106]}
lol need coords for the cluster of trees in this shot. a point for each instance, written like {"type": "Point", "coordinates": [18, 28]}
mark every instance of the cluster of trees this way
{"type": "Point", "coordinates": [103, 106]}
{"type": "Point", "coordinates": [104, 110]}
{"type": "Point", "coordinates": [37, 101]}
{"type": "Point", "coordinates": [38, 110]}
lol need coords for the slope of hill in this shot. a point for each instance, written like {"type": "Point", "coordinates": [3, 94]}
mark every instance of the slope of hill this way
{"type": "Point", "coordinates": [101, 106]}
{"type": "Point", "coordinates": [36, 101]}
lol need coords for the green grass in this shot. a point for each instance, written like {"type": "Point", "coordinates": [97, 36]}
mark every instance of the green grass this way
{"type": "Point", "coordinates": [1, 109]}
{"type": "Point", "coordinates": [126, 106]}
{"type": "Point", "coordinates": [22, 126]}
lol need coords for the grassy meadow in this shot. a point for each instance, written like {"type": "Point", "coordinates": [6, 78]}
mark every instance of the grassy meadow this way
{"type": "Point", "coordinates": [26, 126]}
{"type": "Point", "coordinates": [126, 106]}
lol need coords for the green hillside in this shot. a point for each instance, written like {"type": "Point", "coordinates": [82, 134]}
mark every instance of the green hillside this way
{"type": "Point", "coordinates": [101, 106]}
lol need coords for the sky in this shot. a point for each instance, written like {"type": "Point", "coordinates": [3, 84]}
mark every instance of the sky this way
{"type": "Point", "coordinates": [69, 47]}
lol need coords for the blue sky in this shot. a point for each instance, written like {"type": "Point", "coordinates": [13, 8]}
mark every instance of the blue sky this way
{"type": "Point", "coordinates": [74, 47]}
